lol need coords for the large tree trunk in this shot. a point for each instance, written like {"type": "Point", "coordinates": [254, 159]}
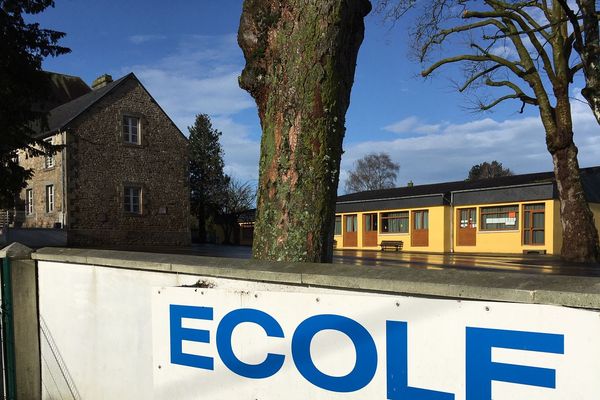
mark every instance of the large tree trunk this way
{"type": "Point", "coordinates": [300, 62]}
{"type": "Point", "coordinates": [580, 237]}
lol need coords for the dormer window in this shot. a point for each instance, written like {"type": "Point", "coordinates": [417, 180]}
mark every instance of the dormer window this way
{"type": "Point", "coordinates": [131, 130]}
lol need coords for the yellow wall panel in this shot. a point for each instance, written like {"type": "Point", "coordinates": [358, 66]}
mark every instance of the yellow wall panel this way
{"type": "Point", "coordinates": [438, 231]}
{"type": "Point", "coordinates": [443, 231]}
{"type": "Point", "coordinates": [510, 241]}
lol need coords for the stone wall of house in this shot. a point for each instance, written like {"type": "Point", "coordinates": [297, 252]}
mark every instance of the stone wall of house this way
{"type": "Point", "coordinates": [101, 165]}
{"type": "Point", "coordinates": [45, 174]}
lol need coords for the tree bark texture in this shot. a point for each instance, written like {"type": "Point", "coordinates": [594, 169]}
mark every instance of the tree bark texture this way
{"type": "Point", "coordinates": [300, 62]}
{"type": "Point", "coordinates": [580, 237]}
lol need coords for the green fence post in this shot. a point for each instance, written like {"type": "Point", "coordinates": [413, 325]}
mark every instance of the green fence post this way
{"type": "Point", "coordinates": [8, 331]}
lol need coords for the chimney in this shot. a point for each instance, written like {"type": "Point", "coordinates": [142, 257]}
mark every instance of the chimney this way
{"type": "Point", "coordinates": [101, 81]}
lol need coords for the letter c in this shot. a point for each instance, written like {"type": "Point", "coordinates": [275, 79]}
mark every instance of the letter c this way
{"type": "Point", "coordinates": [272, 363]}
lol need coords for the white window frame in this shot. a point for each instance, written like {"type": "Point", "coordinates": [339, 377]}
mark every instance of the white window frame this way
{"type": "Point", "coordinates": [128, 123]}
{"type": "Point", "coordinates": [29, 202]}
{"type": "Point", "coordinates": [49, 161]}
{"type": "Point", "coordinates": [49, 198]}
{"type": "Point", "coordinates": [130, 193]}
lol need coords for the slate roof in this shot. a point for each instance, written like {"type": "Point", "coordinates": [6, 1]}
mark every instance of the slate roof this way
{"type": "Point", "coordinates": [63, 89]}
{"type": "Point", "coordinates": [60, 116]}
{"type": "Point", "coordinates": [589, 176]}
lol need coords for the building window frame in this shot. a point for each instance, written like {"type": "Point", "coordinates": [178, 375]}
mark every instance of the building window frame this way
{"type": "Point", "coordinates": [49, 160]}
{"type": "Point", "coordinates": [338, 225]}
{"type": "Point", "coordinates": [394, 222]}
{"type": "Point", "coordinates": [421, 219]}
{"type": "Point", "coordinates": [529, 222]}
{"type": "Point", "coordinates": [29, 202]}
{"type": "Point", "coordinates": [49, 198]}
{"type": "Point", "coordinates": [351, 223]}
{"type": "Point", "coordinates": [507, 213]}
{"type": "Point", "coordinates": [132, 199]}
{"type": "Point", "coordinates": [131, 126]}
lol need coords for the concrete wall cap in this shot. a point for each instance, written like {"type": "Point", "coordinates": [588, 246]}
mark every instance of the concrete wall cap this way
{"type": "Point", "coordinates": [501, 286]}
{"type": "Point", "coordinates": [16, 251]}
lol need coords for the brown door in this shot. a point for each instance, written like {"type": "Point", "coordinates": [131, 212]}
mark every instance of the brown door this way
{"type": "Point", "coordinates": [467, 227]}
{"type": "Point", "coordinates": [420, 228]}
{"type": "Point", "coordinates": [533, 224]}
{"type": "Point", "coordinates": [369, 230]}
{"type": "Point", "coordinates": [350, 229]}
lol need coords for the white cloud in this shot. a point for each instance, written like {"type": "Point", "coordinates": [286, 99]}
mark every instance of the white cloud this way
{"type": "Point", "coordinates": [413, 125]}
{"type": "Point", "coordinates": [448, 154]}
{"type": "Point", "coordinates": [506, 51]}
{"type": "Point", "coordinates": [139, 39]}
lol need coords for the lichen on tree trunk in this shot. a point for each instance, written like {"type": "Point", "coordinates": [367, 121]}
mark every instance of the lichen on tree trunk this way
{"type": "Point", "coordinates": [300, 63]}
{"type": "Point", "coordinates": [580, 237]}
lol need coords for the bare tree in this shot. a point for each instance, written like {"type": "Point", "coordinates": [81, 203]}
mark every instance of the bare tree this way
{"type": "Point", "coordinates": [373, 171]}
{"type": "Point", "coordinates": [487, 170]}
{"type": "Point", "coordinates": [586, 41]}
{"type": "Point", "coordinates": [300, 61]}
{"type": "Point", "coordinates": [524, 51]}
{"type": "Point", "coordinates": [239, 198]}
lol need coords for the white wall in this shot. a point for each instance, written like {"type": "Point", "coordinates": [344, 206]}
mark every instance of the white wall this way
{"type": "Point", "coordinates": [110, 327]}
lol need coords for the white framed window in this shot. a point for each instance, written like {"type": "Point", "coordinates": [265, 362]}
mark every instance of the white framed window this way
{"type": "Point", "coordinates": [29, 201]}
{"type": "Point", "coordinates": [49, 159]}
{"type": "Point", "coordinates": [49, 198]}
{"type": "Point", "coordinates": [131, 129]}
{"type": "Point", "coordinates": [133, 199]}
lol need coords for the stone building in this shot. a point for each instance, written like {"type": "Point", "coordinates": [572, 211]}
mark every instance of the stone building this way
{"type": "Point", "coordinates": [121, 176]}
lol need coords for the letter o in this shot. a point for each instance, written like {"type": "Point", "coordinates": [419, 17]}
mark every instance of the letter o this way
{"type": "Point", "coordinates": [366, 353]}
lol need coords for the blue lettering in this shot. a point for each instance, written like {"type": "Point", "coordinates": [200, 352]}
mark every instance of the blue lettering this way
{"type": "Point", "coordinates": [366, 353]}
{"type": "Point", "coordinates": [272, 363]}
{"type": "Point", "coordinates": [179, 334]}
{"type": "Point", "coordinates": [481, 370]}
{"type": "Point", "coordinates": [397, 367]}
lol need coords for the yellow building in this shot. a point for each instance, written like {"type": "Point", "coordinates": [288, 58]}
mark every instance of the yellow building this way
{"type": "Point", "coordinates": [513, 214]}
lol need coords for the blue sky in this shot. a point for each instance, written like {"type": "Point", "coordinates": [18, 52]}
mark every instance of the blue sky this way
{"type": "Point", "coordinates": [186, 54]}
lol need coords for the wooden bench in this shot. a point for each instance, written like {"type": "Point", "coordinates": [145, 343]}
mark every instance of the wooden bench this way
{"type": "Point", "coordinates": [392, 244]}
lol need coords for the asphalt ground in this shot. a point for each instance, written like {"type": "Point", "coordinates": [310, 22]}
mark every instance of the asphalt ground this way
{"type": "Point", "coordinates": [531, 264]}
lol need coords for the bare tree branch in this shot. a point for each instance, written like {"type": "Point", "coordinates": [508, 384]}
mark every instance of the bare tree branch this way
{"type": "Point", "coordinates": [476, 76]}
{"type": "Point", "coordinates": [477, 58]}
{"type": "Point", "coordinates": [518, 91]}
{"type": "Point", "coordinates": [513, 36]}
{"type": "Point", "coordinates": [485, 107]}
{"type": "Point", "coordinates": [439, 37]}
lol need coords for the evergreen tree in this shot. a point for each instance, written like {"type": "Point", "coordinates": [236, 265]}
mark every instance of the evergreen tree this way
{"type": "Point", "coordinates": [23, 88]}
{"type": "Point", "coordinates": [208, 183]}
